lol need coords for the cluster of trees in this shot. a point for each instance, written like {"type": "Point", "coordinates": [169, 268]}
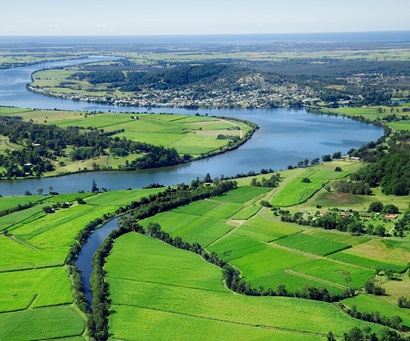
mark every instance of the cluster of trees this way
{"type": "Point", "coordinates": [354, 187]}
{"type": "Point", "coordinates": [273, 181]}
{"type": "Point", "coordinates": [403, 224]}
{"type": "Point", "coordinates": [356, 334]}
{"type": "Point", "coordinates": [334, 220]}
{"type": "Point", "coordinates": [372, 288]}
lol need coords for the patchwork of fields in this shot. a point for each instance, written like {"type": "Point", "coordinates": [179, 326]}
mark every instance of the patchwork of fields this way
{"type": "Point", "coordinates": [159, 290]}
{"type": "Point", "coordinates": [36, 300]}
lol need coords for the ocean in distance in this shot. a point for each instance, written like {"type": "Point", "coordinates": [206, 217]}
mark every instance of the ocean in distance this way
{"type": "Point", "coordinates": [336, 37]}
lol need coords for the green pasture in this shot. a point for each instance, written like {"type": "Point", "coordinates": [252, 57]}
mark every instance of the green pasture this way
{"type": "Point", "coordinates": [297, 192]}
{"type": "Point", "coordinates": [293, 282]}
{"type": "Point", "coordinates": [243, 194]}
{"type": "Point", "coordinates": [209, 208]}
{"type": "Point", "coordinates": [17, 256]}
{"type": "Point", "coordinates": [59, 229]}
{"type": "Point", "coordinates": [247, 212]}
{"type": "Point", "coordinates": [369, 263]}
{"type": "Point", "coordinates": [150, 278]}
{"type": "Point", "coordinates": [373, 113]}
{"type": "Point", "coordinates": [371, 303]}
{"type": "Point", "coordinates": [170, 221]}
{"type": "Point", "coordinates": [262, 229]}
{"type": "Point", "coordinates": [340, 237]}
{"type": "Point", "coordinates": [233, 246]}
{"type": "Point", "coordinates": [141, 322]}
{"type": "Point", "coordinates": [312, 244]}
{"type": "Point", "coordinates": [192, 136]}
{"type": "Point", "coordinates": [41, 324]}
{"type": "Point", "coordinates": [140, 258]}
{"type": "Point", "coordinates": [266, 262]}
{"type": "Point", "coordinates": [203, 230]}
{"type": "Point", "coordinates": [400, 125]}
{"type": "Point", "coordinates": [14, 220]}
{"type": "Point", "coordinates": [334, 272]}
{"type": "Point", "coordinates": [34, 288]}
{"type": "Point", "coordinates": [378, 250]}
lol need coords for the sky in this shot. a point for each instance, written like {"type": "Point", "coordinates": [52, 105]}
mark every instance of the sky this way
{"type": "Point", "coordinates": [184, 17]}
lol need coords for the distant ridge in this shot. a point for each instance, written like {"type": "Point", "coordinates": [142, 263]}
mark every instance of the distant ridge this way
{"type": "Point", "coordinates": [336, 37]}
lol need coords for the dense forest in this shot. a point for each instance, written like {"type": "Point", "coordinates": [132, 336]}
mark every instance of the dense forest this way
{"type": "Point", "coordinates": [390, 170]}
{"type": "Point", "coordinates": [215, 75]}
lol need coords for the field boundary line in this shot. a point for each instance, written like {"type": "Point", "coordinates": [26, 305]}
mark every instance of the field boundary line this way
{"type": "Point", "coordinates": [292, 272]}
{"type": "Point", "coordinates": [235, 125]}
{"type": "Point", "coordinates": [226, 234]}
{"type": "Point", "coordinates": [171, 285]}
{"type": "Point", "coordinates": [23, 243]}
{"type": "Point", "coordinates": [30, 306]}
{"type": "Point", "coordinates": [34, 268]}
{"type": "Point", "coordinates": [223, 321]}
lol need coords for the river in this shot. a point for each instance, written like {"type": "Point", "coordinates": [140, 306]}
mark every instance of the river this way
{"type": "Point", "coordinates": [286, 136]}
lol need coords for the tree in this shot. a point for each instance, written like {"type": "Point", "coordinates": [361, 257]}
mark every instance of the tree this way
{"type": "Point", "coordinates": [337, 155]}
{"type": "Point", "coordinates": [375, 206]}
{"type": "Point", "coordinates": [355, 334]}
{"type": "Point", "coordinates": [390, 209]}
{"type": "Point", "coordinates": [326, 158]}
{"type": "Point", "coordinates": [48, 209]}
{"type": "Point", "coordinates": [207, 178]}
{"type": "Point", "coordinates": [39, 191]}
{"type": "Point", "coordinates": [94, 187]}
{"type": "Point", "coordinates": [153, 228]}
{"type": "Point", "coordinates": [330, 337]}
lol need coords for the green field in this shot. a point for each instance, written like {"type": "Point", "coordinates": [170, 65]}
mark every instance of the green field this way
{"type": "Point", "coordinates": [10, 202]}
{"type": "Point", "coordinates": [41, 324]}
{"type": "Point", "coordinates": [336, 273]}
{"type": "Point", "coordinates": [36, 299]}
{"type": "Point", "coordinates": [167, 287]}
{"type": "Point", "coordinates": [297, 192]}
{"type": "Point", "coordinates": [260, 228]}
{"type": "Point", "coordinates": [370, 304]}
{"type": "Point", "coordinates": [367, 262]}
{"type": "Point", "coordinates": [34, 288]}
{"type": "Point", "coordinates": [247, 213]}
{"type": "Point", "coordinates": [243, 194]}
{"type": "Point", "coordinates": [312, 244]}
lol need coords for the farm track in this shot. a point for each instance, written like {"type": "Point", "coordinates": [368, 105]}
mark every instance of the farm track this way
{"type": "Point", "coordinates": [235, 125]}
{"type": "Point", "coordinates": [290, 271]}
{"type": "Point", "coordinates": [224, 321]}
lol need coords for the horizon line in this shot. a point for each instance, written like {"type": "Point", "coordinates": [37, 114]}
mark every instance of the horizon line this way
{"type": "Point", "coordinates": [204, 34]}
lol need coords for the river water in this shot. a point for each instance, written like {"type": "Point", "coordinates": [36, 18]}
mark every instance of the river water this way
{"type": "Point", "coordinates": [285, 137]}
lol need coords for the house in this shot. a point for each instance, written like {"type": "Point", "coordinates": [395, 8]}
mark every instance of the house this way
{"type": "Point", "coordinates": [390, 216]}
